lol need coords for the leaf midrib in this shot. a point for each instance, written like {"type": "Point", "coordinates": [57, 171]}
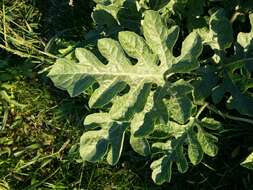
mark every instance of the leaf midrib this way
{"type": "Point", "coordinates": [116, 75]}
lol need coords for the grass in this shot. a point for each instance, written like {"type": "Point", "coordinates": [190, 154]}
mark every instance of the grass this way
{"type": "Point", "coordinates": [27, 26]}
{"type": "Point", "coordinates": [41, 125]}
{"type": "Point", "coordinates": [20, 23]}
{"type": "Point", "coordinates": [39, 146]}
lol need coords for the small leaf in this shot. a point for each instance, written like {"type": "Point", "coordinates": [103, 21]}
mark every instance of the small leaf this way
{"type": "Point", "coordinates": [219, 35]}
{"type": "Point", "coordinates": [143, 122]}
{"type": "Point", "coordinates": [210, 123]}
{"type": "Point", "coordinates": [140, 145]}
{"type": "Point", "coordinates": [162, 170]}
{"type": "Point", "coordinates": [103, 17]}
{"type": "Point", "coordinates": [172, 129]}
{"type": "Point", "coordinates": [239, 100]}
{"type": "Point", "coordinates": [217, 93]}
{"type": "Point", "coordinates": [221, 30]}
{"type": "Point", "coordinates": [246, 39]}
{"type": "Point", "coordinates": [191, 50]}
{"type": "Point", "coordinates": [203, 86]}
{"type": "Point", "coordinates": [195, 151]}
{"type": "Point", "coordinates": [181, 88]}
{"type": "Point", "coordinates": [116, 137]}
{"type": "Point", "coordinates": [180, 109]}
{"type": "Point", "coordinates": [248, 162]}
{"type": "Point", "coordinates": [95, 119]}
{"type": "Point", "coordinates": [136, 47]}
{"type": "Point", "coordinates": [160, 146]}
{"type": "Point", "coordinates": [207, 142]}
{"type": "Point", "coordinates": [93, 145]}
{"type": "Point", "coordinates": [182, 164]}
{"type": "Point", "coordinates": [161, 40]}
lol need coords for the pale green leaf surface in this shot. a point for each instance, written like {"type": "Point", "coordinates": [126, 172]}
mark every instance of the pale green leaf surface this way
{"type": "Point", "coordinates": [96, 119]}
{"type": "Point", "coordinates": [116, 138]}
{"type": "Point", "coordinates": [248, 162]}
{"type": "Point", "coordinates": [160, 38]}
{"type": "Point", "coordinates": [105, 93]}
{"type": "Point", "coordinates": [210, 123]}
{"type": "Point", "coordinates": [191, 50]}
{"type": "Point", "coordinates": [143, 122]}
{"type": "Point", "coordinates": [219, 35]}
{"type": "Point", "coordinates": [180, 159]}
{"type": "Point", "coordinates": [180, 109]}
{"type": "Point", "coordinates": [246, 39]}
{"type": "Point", "coordinates": [161, 147]}
{"type": "Point", "coordinates": [172, 129]}
{"type": "Point", "coordinates": [207, 142]}
{"type": "Point", "coordinates": [136, 47]}
{"type": "Point", "coordinates": [126, 106]}
{"type": "Point", "coordinates": [68, 77]}
{"type": "Point", "coordinates": [162, 170]}
{"type": "Point", "coordinates": [140, 145]}
{"type": "Point", "coordinates": [180, 88]}
{"type": "Point", "coordinates": [173, 150]}
{"type": "Point", "coordinates": [195, 152]}
{"type": "Point", "coordinates": [93, 145]}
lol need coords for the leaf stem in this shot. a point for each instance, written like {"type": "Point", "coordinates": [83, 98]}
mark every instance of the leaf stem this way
{"type": "Point", "coordinates": [234, 16]}
{"type": "Point", "coordinates": [224, 115]}
{"type": "Point", "coordinates": [201, 110]}
{"type": "Point", "coordinates": [238, 62]}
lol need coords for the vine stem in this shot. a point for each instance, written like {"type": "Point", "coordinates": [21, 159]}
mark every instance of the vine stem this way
{"type": "Point", "coordinates": [224, 115]}
{"type": "Point", "coordinates": [234, 16]}
{"type": "Point", "coordinates": [201, 110]}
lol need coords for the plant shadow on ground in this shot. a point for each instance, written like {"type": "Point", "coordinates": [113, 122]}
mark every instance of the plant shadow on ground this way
{"type": "Point", "coordinates": [62, 18]}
